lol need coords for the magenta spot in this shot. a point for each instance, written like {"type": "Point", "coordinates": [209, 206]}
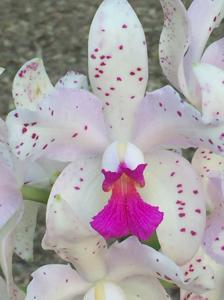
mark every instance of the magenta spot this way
{"type": "Point", "coordinates": [180, 191]}
{"type": "Point", "coordinates": [183, 229]}
{"type": "Point", "coordinates": [182, 215]}
{"type": "Point", "coordinates": [193, 233]}
{"type": "Point", "coordinates": [140, 78]}
{"type": "Point", "coordinates": [121, 47]}
{"type": "Point", "coordinates": [33, 135]}
{"type": "Point", "coordinates": [109, 56]}
{"type": "Point", "coordinates": [124, 26]}
{"type": "Point", "coordinates": [96, 50]}
{"type": "Point", "coordinates": [86, 127]}
{"type": "Point", "coordinates": [172, 174]}
{"type": "Point", "coordinates": [102, 56]}
{"type": "Point", "coordinates": [75, 135]}
{"type": "Point", "coordinates": [93, 56]}
{"type": "Point", "coordinates": [77, 188]}
{"type": "Point", "coordinates": [97, 76]}
{"type": "Point", "coordinates": [139, 69]}
{"type": "Point", "coordinates": [45, 146]}
{"type": "Point", "coordinates": [195, 192]}
{"type": "Point", "coordinates": [102, 64]}
{"type": "Point", "coordinates": [132, 73]}
{"type": "Point", "coordinates": [198, 210]}
{"type": "Point", "coordinates": [107, 94]}
{"type": "Point", "coordinates": [16, 115]}
{"type": "Point", "coordinates": [119, 79]}
{"type": "Point", "coordinates": [24, 129]}
{"type": "Point", "coordinates": [179, 113]}
{"type": "Point", "coordinates": [112, 88]}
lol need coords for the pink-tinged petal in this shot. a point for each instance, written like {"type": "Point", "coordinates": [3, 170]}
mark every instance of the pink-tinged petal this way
{"type": "Point", "coordinates": [217, 292]}
{"type": "Point", "coordinates": [67, 122]}
{"type": "Point", "coordinates": [5, 152]}
{"type": "Point", "coordinates": [214, 234]}
{"type": "Point", "coordinates": [16, 295]}
{"type": "Point", "coordinates": [73, 80]}
{"type": "Point", "coordinates": [204, 16]}
{"type": "Point", "coordinates": [212, 92]}
{"type": "Point", "coordinates": [214, 54]}
{"type": "Point", "coordinates": [208, 165]}
{"type": "Point", "coordinates": [105, 290]}
{"type": "Point", "coordinates": [11, 210]}
{"type": "Point", "coordinates": [200, 267]}
{"type": "Point", "coordinates": [24, 235]}
{"type": "Point", "coordinates": [175, 32]}
{"type": "Point", "coordinates": [75, 198]}
{"type": "Point", "coordinates": [181, 201]}
{"type": "Point", "coordinates": [143, 260]}
{"type": "Point", "coordinates": [118, 65]}
{"type": "Point", "coordinates": [164, 120]}
{"type": "Point", "coordinates": [56, 282]}
{"type": "Point", "coordinates": [30, 84]}
{"type": "Point", "coordinates": [144, 288]}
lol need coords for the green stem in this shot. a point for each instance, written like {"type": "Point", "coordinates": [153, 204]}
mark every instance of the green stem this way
{"type": "Point", "coordinates": [35, 194]}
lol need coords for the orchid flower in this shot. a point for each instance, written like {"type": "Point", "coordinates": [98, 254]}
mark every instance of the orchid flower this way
{"type": "Point", "coordinates": [218, 269]}
{"type": "Point", "coordinates": [124, 134]}
{"type": "Point", "coordinates": [194, 71]}
{"type": "Point", "coordinates": [128, 275]}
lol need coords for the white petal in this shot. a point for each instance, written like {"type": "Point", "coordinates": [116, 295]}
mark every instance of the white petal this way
{"type": "Point", "coordinates": [73, 80]}
{"type": "Point", "coordinates": [212, 91]}
{"type": "Point", "coordinates": [56, 282]}
{"type": "Point", "coordinates": [213, 55]}
{"type": "Point", "coordinates": [24, 235]}
{"type": "Point", "coordinates": [175, 32]}
{"type": "Point", "coordinates": [75, 198]}
{"type": "Point", "coordinates": [181, 200]}
{"type": "Point", "coordinates": [143, 260]}
{"type": "Point", "coordinates": [204, 16]}
{"type": "Point", "coordinates": [30, 84]}
{"type": "Point", "coordinates": [217, 292]}
{"type": "Point", "coordinates": [143, 288]}
{"type": "Point", "coordinates": [59, 131]}
{"type": "Point", "coordinates": [118, 65]}
{"type": "Point", "coordinates": [164, 120]}
{"type": "Point", "coordinates": [107, 291]}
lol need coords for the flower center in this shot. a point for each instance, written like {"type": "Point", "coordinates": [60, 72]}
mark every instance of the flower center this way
{"type": "Point", "coordinates": [126, 212]}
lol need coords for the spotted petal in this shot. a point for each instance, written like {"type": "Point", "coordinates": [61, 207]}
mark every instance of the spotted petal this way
{"type": "Point", "coordinates": [17, 294]}
{"type": "Point", "coordinates": [145, 261]}
{"type": "Point", "coordinates": [204, 16]}
{"type": "Point", "coordinates": [181, 201]}
{"type": "Point", "coordinates": [164, 120]}
{"type": "Point", "coordinates": [30, 84]}
{"type": "Point", "coordinates": [212, 92]}
{"type": "Point", "coordinates": [67, 122]}
{"type": "Point", "coordinates": [75, 198]}
{"type": "Point", "coordinates": [56, 282]}
{"type": "Point", "coordinates": [73, 80]}
{"type": "Point", "coordinates": [24, 235]}
{"type": "Point", "coordinates": [217, 292]}
{"type": "Point", "coordinates": [118, 65]}
{"type": "Point", "coordinates": [175, 32]}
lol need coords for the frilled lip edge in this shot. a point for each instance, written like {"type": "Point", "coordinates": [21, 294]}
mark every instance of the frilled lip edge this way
{"type": "Point", "coordinates": [126, 213]}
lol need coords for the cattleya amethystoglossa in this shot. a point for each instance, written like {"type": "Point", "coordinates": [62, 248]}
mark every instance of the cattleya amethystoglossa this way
{"type": "Point", "coordinates": [122, 132]}
{"type": "Point", "coordinates": [118, 141]}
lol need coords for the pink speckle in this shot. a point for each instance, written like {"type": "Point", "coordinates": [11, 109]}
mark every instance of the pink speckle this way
{"type": "Point", "coordinates": [109, 56]}
{"type": "Point", "coordinates": [140, 78]}
{"type": "Point", "coordinates": [102, 56]}
{"type": "Point", "coordinates": [112, 88]}
{"type": "Point", "coordinates": [198, 210]}
{"type": "Point", "coordinates": [75, 135]}
{"type": "Point", "coordinates": [103, 64]}
{"type": "Point", "coordinates": [172, 174]}
{"type": "Point", "coordinates": [119, 78]}
{"type": "Point", "coordinates": [33, 135]}
{"type": "Point", "coordinates": [93, 56]}
{"type": "Point", "coordinates": [195, 192]}
{"type": "Point", "coordinates": [77, 188]}
{"type": "Point", "coordinates": [124, 26]}
{"type": "Point", "coordinates": [45, 146]}
{"type": "Point", "coordinates": [121, 47]}
{"type": "Point", "coordinates": [86, 127]}
{"type": "Point", "coordinates": [16, 115]}
{"type": "Point", "coordinates": [132, 73]}
{"type": "Point", "coordinates": [139, 69]}
{"type": "Point", "coordinates": [193, 233]}
{"type": "Point", "coordinates": [107, 94]}
{"type": "Point", "coordinates": [24, 129]}
{"type": "Point", "coordinates": [179, 113]}
{"type": "Point", "coordinates": [181, 215]}
{"type": "Point", "coordinates": [183, 229]}
{"type": "Point", "coordinates": [97, 76]}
